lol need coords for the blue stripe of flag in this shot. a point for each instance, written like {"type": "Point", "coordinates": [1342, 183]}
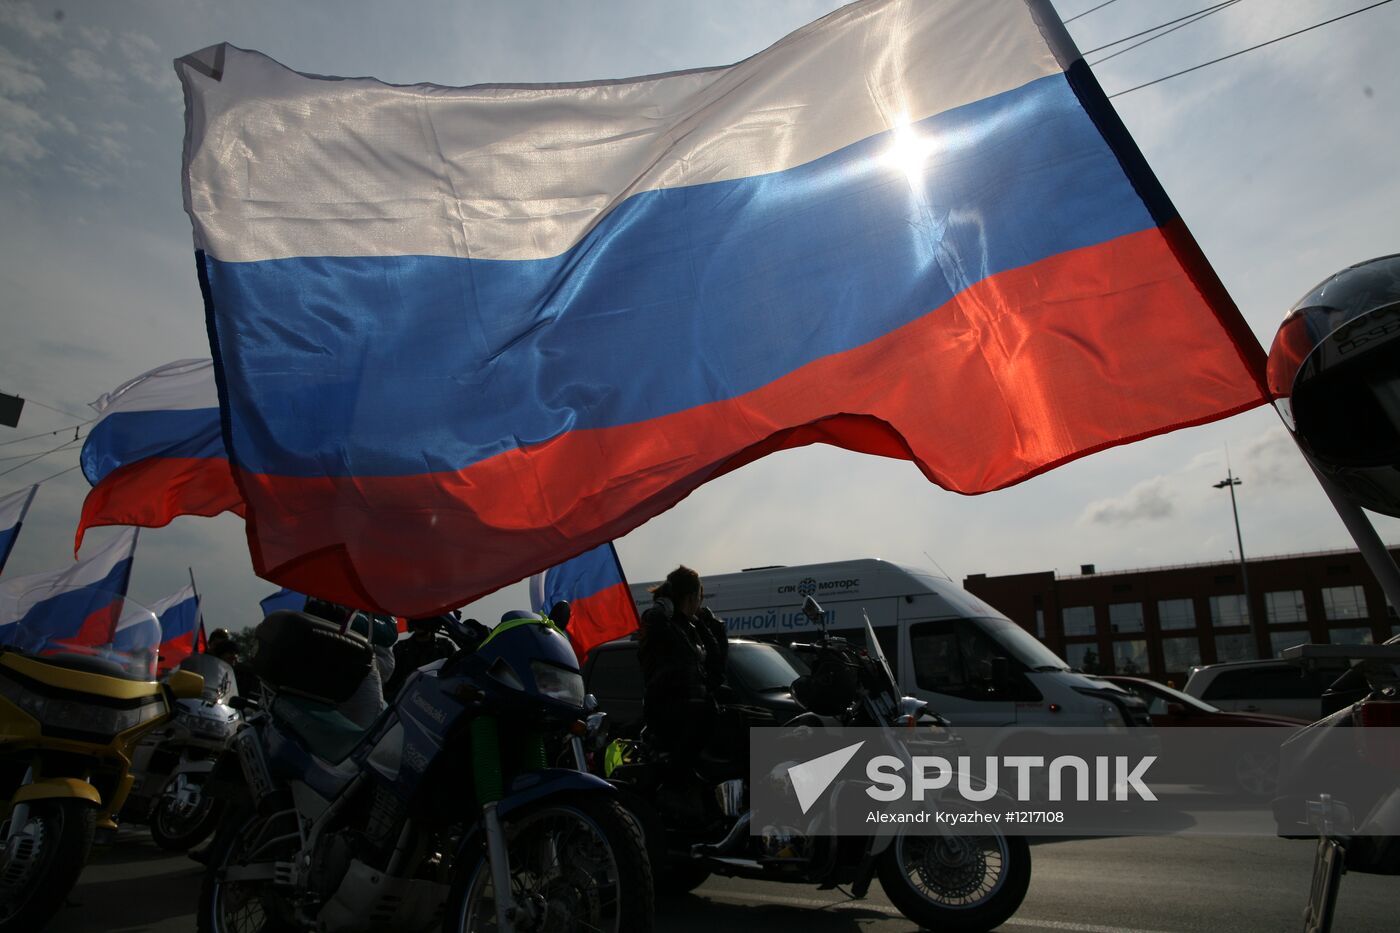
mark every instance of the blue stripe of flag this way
{"type": "Point", "coordinates": [715, 274]}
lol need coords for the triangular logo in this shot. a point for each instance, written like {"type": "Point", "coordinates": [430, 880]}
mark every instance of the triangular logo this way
{"type": "Point", "coordinates": [811, 778]}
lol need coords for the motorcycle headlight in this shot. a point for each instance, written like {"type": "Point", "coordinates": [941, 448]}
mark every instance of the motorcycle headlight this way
{"type": "Point", "coordinates": [557, 683]}
{"type": "Point", "coordinates": [80, 716]}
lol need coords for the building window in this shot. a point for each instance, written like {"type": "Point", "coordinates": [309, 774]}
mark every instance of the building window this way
{"type": "Point", "coordinates": [1130, 657]}
{"type": "Point", "coordinates": [1125, 617]}
{"type": "Point", "coordinates": [1079, 620]}
{"type": "Point", "coordinates": [1234, 648]}
{"type": "Point", "coordinates": [1179, 654]}
{"type": "Point", "coordinates": [1040, 624]}
{"type": "Point", "coordinates": [1226, 611]}
{"type": "Point", "coordinates": [1175, 614]}
{"type": "Point", "coordinates": [1344, 603]}
{"type": "Point", "coordinates": [1350, 636]}
{"type": "Point", "coordinates": [1284, 607]}
{"type": "Point", "coordinates": [1085, 657]}
{"type": "Point", "coordinates": [1280, 640]}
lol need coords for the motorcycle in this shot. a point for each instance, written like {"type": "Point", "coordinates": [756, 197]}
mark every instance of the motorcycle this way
{"type": "Point", "coordinates": [172, 763]}
{"type": "Point", "coordinates": [71, 716]}
{"type": "Point", "coordinates": [443, 813]}
{"type": "Point", "coordinates": [1338, 777]}
{"type": "Point", "coordinates": [697, 826]}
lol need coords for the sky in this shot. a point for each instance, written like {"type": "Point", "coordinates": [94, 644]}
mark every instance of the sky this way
{"type": "Point", "coordinates": [1281, 161]}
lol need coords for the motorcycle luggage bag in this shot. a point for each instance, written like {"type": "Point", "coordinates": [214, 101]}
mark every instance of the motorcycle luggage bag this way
{"type": "Point", "coordinates": [301, 654]}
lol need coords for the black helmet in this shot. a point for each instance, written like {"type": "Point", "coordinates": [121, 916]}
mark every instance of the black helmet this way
{"type": "Point", "coordinates": [1334, 370]}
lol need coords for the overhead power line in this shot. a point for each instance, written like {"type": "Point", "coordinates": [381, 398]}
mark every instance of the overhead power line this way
{"type": "Point", "coordinates": [1191, 22]}
{"type": "Point", "coordinates": [62, 430]}
{"type": "Point", "coordinates": [1171, 22]}
{"type": "Point", "coordinates": [1090, 10]}
{"type": "Point", "coordinates": [1213, 61]}
{"type": "Point", "coordinates": [61, 411]}
{"type": "Point", "coordinates": [39, 456]}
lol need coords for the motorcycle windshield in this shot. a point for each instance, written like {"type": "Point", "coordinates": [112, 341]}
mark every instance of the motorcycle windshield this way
{"type": "Point", "coordinates": [82, 627]}
{"type": "Point", "coordinates": [220, 685]}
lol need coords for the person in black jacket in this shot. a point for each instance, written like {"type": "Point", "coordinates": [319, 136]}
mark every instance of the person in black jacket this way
{"type": "Point", "coordinates": [422, 646]}
{"type": "Point", "coordinates": [682, 653]}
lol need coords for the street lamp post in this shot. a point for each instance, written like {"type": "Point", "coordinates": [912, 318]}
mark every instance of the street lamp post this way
{"type": "Point", "coordinates": [1230, 482]}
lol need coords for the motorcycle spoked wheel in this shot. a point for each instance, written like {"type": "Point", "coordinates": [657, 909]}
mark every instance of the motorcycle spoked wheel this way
{"type": "Point", "coordinates": [956, 883]}
{"type": "Point", "coordinates": [575, 867]}
{"type": "Point", "coordinates": [42, 862]}
{"type": "Point", "coordinates": [245, 838]}
{"type": "Point", "coordinates": [176, 832]}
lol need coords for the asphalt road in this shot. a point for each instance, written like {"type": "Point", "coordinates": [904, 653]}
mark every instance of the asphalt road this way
{"type": "Point", "coordinates": [1135, 885]}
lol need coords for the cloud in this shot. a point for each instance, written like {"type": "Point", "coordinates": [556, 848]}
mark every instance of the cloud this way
{"type": "Point", "coordinates": [1273, 459]}
{"type": "Point", "coordinates": [144, 59]}
{"type": "Point", "coordinates": [84, 64]}
{"type": "Point", "coordinates": [95, 36]}
{"type": "Point", "coordinates": [20, 128]}
{"type": "Point", "coordinates": [1147, 501]}
{"type": "Point", "coordinates": [22, 17]}
{"type": "Point", "coordinates": [18, 76]}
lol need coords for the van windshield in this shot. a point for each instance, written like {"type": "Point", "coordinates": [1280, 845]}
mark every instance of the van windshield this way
{"type": "Point", "coordinates": [1022, 645]}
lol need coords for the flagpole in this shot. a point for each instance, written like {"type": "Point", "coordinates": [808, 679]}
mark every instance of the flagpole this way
{"type": "Point", "coordinates": [199, 638]}
{"type": "Point", "coordinates": [23, 511]}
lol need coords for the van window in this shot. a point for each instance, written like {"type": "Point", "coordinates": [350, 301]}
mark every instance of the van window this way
{"type": "Point", "coordinates": [954, 657]}
{"type": "Point", "coordinates": [615, 675]}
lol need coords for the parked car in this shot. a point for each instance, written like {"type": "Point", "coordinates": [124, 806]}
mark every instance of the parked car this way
{"type": "Point", "coordinates": [1271, 687]}
{"type": "Point", "coordinates": [1250, 766]}
{"type": "Point", "coordinates": [760, 677]}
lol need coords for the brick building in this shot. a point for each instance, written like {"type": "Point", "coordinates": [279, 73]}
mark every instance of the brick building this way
{"type": "Point", "coordinates": [1159, 621]}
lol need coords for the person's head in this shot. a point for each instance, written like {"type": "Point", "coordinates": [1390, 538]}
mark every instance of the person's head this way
{"type": "Point", "coordinates": [684, 588]}
{"type": "Point", "coordinates": [424, 629]}
{"type": "Point", "coordinates": [226, 651]}
{"type": "Point", "coordinates": [216, 638]}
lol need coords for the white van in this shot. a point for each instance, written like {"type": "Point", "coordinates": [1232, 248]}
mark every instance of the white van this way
{"type": "Point", "coordinates": [972, 664]}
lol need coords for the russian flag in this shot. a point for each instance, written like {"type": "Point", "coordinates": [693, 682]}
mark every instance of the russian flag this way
{"type": "Point", "coordinates": [179, 615]}
{"type": "Point", "coordinates": [466, 333]}
{"type": "Point", "coordinates": [157, 451]}
{"type": "Point", "coordinates": [81, 604]}
{"type": "Point", "coordinates": [283, 599]}
{"type": "Point", "coordinates": [600, 605]}
{"type": "Point", "coordinates": [13, 508]}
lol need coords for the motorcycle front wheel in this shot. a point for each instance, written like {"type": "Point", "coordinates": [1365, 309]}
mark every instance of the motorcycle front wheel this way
{"type": "Point", "coordinates": [179, 831]}
{"type": "Point", "coordinates": [957, 883]}
{"type": "Point", "coordinates": [237, 894]}
{"type": "Point", "coordinates": [574, 867]}
{"type": "Point", "coordinates": [41, 861]}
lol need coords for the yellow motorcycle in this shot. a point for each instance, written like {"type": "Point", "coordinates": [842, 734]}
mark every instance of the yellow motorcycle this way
{"type": "Point", "coordinates": [71, 714]}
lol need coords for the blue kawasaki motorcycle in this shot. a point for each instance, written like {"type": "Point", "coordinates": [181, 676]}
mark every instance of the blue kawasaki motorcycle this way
{"type": "Point", "coordinates": [445, 813]}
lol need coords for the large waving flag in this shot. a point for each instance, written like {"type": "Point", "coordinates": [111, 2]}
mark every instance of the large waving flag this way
{"type": "Point", "coordinates": [157, 451]}
{"type": "Point", "coordinates": [13, 508]}
{"type": "Point", "coordinates": [81, 604]}
{"type": "Point", "coordinates": [466, 333]}
{"type": "Point", "coordinates": [180, 626]}
{"type": "Point", "coordinates": [600, 606]}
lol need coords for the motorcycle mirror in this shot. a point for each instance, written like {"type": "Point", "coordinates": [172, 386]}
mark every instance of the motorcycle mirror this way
{"type": "Point", "coordinates": [185, 685]}
{"type": "Point", "coordinates": [813, 611]}
{"type": "Point", "coordinates": [590, 704]}
{"type": "Point", "coordinates": [560, 613]}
